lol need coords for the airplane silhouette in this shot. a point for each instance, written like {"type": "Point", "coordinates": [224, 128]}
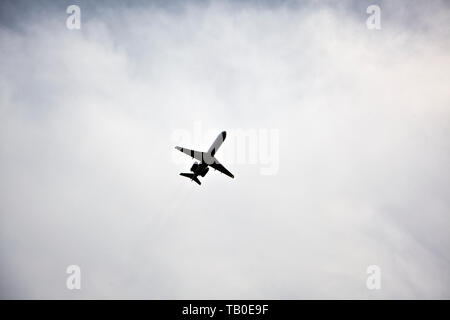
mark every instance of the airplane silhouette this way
{"type": "Point", "coordinates": [206, 159]}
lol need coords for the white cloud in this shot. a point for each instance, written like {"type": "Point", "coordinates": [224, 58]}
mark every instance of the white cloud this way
{"type": "Point", "coordinates": [87, 117]}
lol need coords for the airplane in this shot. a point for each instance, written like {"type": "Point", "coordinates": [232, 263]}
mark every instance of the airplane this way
{"type": "Point", "coordinates": [206, 159]}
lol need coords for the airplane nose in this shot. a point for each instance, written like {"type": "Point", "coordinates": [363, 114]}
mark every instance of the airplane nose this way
{"type": "Point", "coordinates": [224, 135]}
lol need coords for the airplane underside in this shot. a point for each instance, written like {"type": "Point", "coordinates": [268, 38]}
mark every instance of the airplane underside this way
{"type": "Point", "coordinates": [206, 160]}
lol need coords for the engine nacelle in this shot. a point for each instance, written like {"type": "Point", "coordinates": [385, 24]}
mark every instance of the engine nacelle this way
{"type": "Point", "coordinates": [204, 172]}
{"type": "Point", "coordinates": [194, 166]}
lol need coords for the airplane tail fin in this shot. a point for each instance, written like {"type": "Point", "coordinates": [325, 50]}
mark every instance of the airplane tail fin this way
{"type": "Point", "coordinates": [191, 176]}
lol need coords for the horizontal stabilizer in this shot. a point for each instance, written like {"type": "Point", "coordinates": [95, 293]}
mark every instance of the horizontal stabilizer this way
{"type": "Point", "coordinates": [191, 176]}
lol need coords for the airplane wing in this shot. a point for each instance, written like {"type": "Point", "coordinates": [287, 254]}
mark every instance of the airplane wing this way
{"type": "Point", "coordinates": [218, 166]}
{"type": "Point", "coordinates": [192, 153]}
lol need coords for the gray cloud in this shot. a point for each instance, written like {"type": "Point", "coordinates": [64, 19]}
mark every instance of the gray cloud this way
{"type": "Point", "coordinates": [86, 124]}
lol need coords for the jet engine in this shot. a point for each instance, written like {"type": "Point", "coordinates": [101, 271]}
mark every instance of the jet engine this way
{"type": "Point", "coordinates": [194, 166]}
{"type": "Point", "coordinates": [204, 172]}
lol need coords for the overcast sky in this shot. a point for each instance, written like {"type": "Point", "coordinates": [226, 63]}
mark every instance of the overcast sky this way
{"type": "Point", "coordinates": [89, 176]}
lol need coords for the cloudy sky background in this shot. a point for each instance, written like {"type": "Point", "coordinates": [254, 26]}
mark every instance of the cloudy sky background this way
{"type": "Point", "coordinates": [88, 122]}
